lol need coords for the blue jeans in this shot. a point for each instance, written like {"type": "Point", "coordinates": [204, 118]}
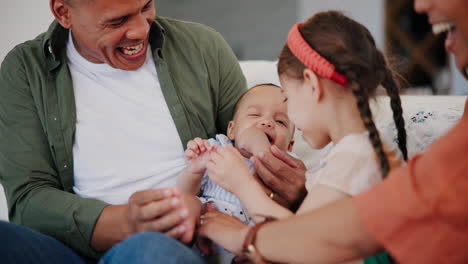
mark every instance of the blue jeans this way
{"type": "Point", "coordinates": [150, 247]}
{"type": "Point", "coordinates": [19, 244]}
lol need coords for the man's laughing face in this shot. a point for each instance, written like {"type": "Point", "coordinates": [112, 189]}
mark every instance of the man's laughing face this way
{"type": "Point", "coordinates": [109, 31]}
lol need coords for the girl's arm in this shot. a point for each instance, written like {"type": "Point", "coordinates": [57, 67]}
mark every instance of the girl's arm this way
{"type": "Point", "coordinates": [228, 169]}
{"type": "Point", "coordinates": [258, 204]}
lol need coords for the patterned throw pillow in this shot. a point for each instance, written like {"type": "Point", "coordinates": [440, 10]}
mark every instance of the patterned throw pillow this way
{"type": "Point", "coordinates": [423, 124]}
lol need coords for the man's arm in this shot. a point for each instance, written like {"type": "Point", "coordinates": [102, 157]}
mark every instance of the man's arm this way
{"type": "Point", "coordinates": [165, 210]}
{"type": "Point", "coordinates": [28, 171]}
{"type": "Point", "coordinates": [232, 83]}
{"type": "Point", "coordinates": [35, 193]}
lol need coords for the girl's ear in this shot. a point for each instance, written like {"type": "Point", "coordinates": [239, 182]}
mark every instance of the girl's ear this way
{"type": "Point", "coordinates": [311, 80]}
{"type": "Point", "coordinates": [230, 130]}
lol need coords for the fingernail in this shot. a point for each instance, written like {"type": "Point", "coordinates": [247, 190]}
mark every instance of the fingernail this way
{"type": "Point", "coordinates": [174, 202]}
{"type": "Point", "coordinates": [184, 213]}
{"type": "Point", "coordinates": [261, 155]}
{"type": "Point", "coordinates": [181, 229]}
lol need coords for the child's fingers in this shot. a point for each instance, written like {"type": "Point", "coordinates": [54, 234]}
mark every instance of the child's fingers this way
{"type": "Point", "coordinates": [190, 154]}
{"type": "Point", "coordinates": [192, 145]}
{"type": "Point", "coordinates": [207, 144]}
{"type": "Point", "coordinates": [199, 141]}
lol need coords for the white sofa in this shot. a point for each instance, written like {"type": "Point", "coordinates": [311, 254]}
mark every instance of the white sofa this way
{"type": "Point", "coordinates": [444, 111]}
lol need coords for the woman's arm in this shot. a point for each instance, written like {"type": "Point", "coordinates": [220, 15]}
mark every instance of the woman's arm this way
{"type": "Point", "coordinates": [258, 204]}
{"type": "Point", "coordinates": [333, 233]}
{"type": "Point", "coordinates": [330, 234]}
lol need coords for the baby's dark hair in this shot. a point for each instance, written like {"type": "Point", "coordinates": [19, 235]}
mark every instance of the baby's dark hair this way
{"type": "Point", "coordinates": [350, 47]}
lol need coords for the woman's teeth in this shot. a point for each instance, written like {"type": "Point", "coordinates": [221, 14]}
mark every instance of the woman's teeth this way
{"type": "Point", "coordinates": [130, 50]}
{"type": "Point", "coordinates": [442, 27]}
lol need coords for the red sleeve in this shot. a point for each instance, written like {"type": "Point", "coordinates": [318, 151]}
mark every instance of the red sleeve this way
{"type": "Point", "coordinates": [420, 212]}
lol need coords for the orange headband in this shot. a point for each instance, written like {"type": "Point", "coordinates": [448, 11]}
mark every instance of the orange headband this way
{"type": "Point", "coordinates": [311, 59]}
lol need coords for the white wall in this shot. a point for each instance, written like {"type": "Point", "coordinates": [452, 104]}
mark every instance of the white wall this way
{"type": "Point", "coordinates": [459, 84]}
{"type": "Point", "coordinates": [22, 20]}
{"type": "Point", "coordinates": [367, 12]}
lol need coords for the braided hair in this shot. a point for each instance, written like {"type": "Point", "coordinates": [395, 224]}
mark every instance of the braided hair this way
{"type": "Point", "coordinates": [350, 47]}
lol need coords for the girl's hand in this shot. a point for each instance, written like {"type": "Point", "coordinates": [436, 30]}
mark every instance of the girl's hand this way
{"type": "Point", "coordinates": [224, 230]}
{"type": "Point", "coordinates": [228, 169]}
{"type": "Point", "coordinates": [198, 154]}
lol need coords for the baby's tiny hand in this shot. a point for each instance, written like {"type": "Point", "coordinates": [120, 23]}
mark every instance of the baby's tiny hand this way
{"type": "Point", "coordinates": [196, 147]}
{"type": "Point", "coordinates": [197, 153]}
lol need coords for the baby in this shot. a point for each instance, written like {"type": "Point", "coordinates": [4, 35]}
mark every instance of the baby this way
{"type": "Point", "coordinates": [260, 120]}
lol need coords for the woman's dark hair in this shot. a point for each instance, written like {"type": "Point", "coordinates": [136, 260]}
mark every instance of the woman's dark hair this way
{"type": "Point", "coordinates": [350, 47]}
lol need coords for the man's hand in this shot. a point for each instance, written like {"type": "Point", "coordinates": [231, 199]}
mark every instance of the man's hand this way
{"type": "Point", "coordinates": [283, 175]}
{"type": "Point", "coordinates": [162, 210]}
{"type": "Point", "coordinates": [194, 207]}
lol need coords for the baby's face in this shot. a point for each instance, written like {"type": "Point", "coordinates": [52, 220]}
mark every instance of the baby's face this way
{"type": "Point", "coordinates": [263, 107]}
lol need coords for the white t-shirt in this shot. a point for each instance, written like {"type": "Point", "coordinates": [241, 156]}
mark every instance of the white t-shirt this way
{"type": "Point", "coordinates": [350, 167]}
{"type": "Point", "coordinates": [126, 139]}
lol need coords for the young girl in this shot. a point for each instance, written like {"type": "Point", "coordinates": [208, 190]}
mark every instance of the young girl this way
{"type": "Point", "coordinates": [329, 70]}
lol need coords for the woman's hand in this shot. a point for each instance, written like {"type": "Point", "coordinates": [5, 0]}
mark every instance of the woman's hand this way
{"type": "Point", "coordinates": [224, 230]}
{"type": "Point", "coordinates": [283, 175]}
{"type": "Point", "coordinates": [228, 169]}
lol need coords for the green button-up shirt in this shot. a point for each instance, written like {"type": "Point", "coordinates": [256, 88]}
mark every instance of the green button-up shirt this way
{"type": "Point", "coordinates": [201, 81]}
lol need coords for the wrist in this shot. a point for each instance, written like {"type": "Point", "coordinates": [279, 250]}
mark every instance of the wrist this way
{"type": "Point", "coordinates": [249, 249]}
{"type": "Point", "coordinates": [127, 228]}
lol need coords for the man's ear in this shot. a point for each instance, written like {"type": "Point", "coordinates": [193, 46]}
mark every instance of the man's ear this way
{"type": "Point", "coordinates": [312, 80]}
{"type": "Point", "coordinates": [61, 12]}
{"type": "Point", "coordinates": [230, 130]}
{"type": "Point", "coordinates": [291, 145]}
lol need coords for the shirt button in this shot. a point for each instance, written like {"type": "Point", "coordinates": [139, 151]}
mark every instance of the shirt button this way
{"type": "Point", "coordinates": [55, 119]}
{"type": "Point", "coordinates": [65, 166]}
